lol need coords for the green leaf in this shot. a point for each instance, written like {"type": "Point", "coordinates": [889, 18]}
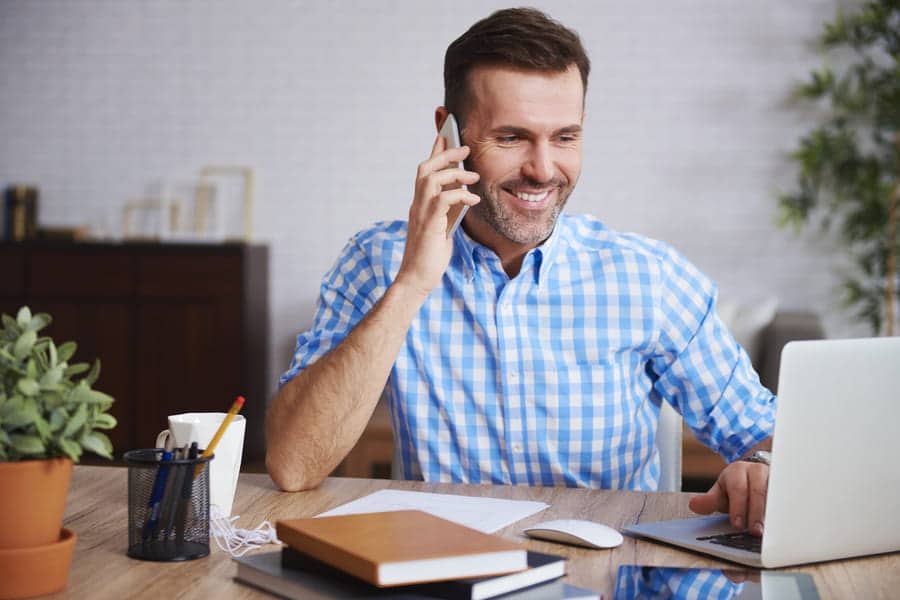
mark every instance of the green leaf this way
{"type": "Point", "coordinates": [19, 417]}
{"type": "Point", "coordinates": [11, 405]}
{"type": "Point", "coordinates": [26, 444]}
{"type": "Point", "coordinates": [58, 418]}
{"type": "Point", "coordinates": [39, 321]}
{"type": "Point", "coordinates": [24, 345]}
{"type": "Point", "coordinates": [104, 421]}
{"type": "Point", "coordinates": [52, 393]}
{"type": "Point", "coordinates": [10, 325]}
{"type": "Point", "coordinates": [6, 353]}
{"type": "Point", "coordinates": [51, 377]}
{"type": "Point", "coordinates": [29, 386]}
{"type": "Point", "coordinates": [66, 351]}
{"type": "Point", "coordinates": [78, 419]}
{"type": "Point", "coordinates": [91, 378]}
{"type": "Point", "coordinates": [97, 443]}
{"type": "Point", "coordinates": [71, 448]}
{"type": "Point", "coordinates": [40, 356]}
{"type": "Point", "coordinates": [99, 398]}
{"type": "Point", "coordinates": [76, 369]}
{"type": "Point", "coordinates": [54, 356]}
{"type": "Point", "coordinates": [42, 427]}
{"type": "Point", "coordinates": [23, 318]}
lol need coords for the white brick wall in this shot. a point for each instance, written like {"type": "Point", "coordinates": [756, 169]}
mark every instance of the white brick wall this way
{"type": "Point", "coordinates": [332, 104]}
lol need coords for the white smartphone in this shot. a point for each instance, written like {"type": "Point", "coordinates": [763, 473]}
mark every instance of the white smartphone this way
{"type": "Point", "coordinates": [450, 133]}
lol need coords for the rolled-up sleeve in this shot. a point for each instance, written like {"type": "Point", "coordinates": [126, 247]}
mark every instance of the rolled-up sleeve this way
{"type": "Point", "coordinates": [702, 371]}
{"type": "Point", "coordinates": [344, 299]}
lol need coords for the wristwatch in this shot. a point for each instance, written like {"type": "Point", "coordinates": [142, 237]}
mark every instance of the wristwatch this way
{"type": "Point", "coordinates": [760, 456]}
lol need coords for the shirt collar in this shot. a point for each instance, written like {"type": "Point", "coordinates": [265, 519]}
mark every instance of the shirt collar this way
{"type": "Point", "coordinates": [543, 256]}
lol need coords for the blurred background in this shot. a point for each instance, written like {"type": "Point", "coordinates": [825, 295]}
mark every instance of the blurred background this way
{"type": "Point", "coordinates": [330, 106]}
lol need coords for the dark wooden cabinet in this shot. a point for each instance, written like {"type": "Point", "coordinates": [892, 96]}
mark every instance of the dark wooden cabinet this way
{"type": "Point", "coordinates": [177, 327]}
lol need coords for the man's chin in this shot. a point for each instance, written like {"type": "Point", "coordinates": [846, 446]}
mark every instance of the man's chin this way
{"type": "Point", "coordinates": [527, 233]}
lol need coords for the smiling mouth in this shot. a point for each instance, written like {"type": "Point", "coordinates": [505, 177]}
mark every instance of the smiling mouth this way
{"type": "Point", "coordinates": [536, 198]}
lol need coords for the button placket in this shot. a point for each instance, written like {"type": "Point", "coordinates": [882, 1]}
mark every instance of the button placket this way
{"type": "Point", "coordinates": [511, 383]}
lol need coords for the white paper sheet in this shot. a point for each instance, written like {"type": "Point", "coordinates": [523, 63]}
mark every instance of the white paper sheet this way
{"type": "Point", "coordinates": [484, 514]}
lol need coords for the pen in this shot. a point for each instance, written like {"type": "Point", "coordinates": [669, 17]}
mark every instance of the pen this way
{"type": "Point", "coordinates": [186, 490]}
{"type": "Point", "coordinates": [159, 485]}
{"type": "Point", "coordinates": [207, 452]}
{"type": "Point", "coordinates": [173, 491]}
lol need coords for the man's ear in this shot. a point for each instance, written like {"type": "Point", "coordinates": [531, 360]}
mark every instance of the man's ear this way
{"type": "Point", "coordinates": [440, 115]}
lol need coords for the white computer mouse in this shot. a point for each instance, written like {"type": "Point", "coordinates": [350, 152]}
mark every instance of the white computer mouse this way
{"type": "Point", "coordinates": [576, 531]}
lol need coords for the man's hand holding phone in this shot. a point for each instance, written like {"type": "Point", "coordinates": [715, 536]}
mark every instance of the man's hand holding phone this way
{"type": "Point", "coordinates": [440, 195]}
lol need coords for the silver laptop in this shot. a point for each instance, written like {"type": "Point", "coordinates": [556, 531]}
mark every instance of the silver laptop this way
{"type": "Point", "coordinates": [834, 483]}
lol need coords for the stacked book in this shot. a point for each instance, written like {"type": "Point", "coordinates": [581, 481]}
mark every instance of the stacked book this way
{"type": "Point", "coordinates": [402, 554]}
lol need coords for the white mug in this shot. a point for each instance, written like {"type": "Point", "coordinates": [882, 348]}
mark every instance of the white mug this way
{"type": "Point", "coordinates": [225, 467]}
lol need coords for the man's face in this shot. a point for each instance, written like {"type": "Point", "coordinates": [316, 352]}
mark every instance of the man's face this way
{"type": "Point", "coordinates": [524, 129]}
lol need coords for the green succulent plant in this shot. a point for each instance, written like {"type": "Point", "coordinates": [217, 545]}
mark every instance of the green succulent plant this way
{"type": "Point", "coordinates": [44, 411]}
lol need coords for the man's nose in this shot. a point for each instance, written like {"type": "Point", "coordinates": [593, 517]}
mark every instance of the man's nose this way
{"type": "Point", "coordinates": [539, 163]}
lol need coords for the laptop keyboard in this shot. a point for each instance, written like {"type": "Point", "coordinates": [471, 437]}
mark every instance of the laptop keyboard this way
{"type": "Point", "coordinates": [741, 541]}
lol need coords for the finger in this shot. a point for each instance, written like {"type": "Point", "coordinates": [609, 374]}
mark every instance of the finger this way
{"type": "Point", "coordinates": [430, 189]}
{"type": "Point", "coordinates": [453, 176]}
{"type": "Point", "coordinates": [738, 488]}
{"type": "Point", "coordinates": [714, 500]}
{"type": "Point", "coordinates": [441, 159]}
{"type": "Point", "coordinates": [442, 204]}
{"type": "Point", "coordinates": [758, 478]}
{"type": "Point", "coordinates": [439, 145]}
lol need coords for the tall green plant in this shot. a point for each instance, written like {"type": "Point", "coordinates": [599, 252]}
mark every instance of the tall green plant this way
{"type": "Point", "coordinates": [849, 179]}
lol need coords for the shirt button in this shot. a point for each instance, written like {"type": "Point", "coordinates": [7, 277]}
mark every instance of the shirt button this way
{"type": "Point", "coordinates": [517, 447]}
{"type": "Point", "coordinates": [513, 376]}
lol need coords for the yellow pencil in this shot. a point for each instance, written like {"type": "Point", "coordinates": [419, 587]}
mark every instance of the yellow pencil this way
{"type": "Point", "coordinates": [207, 452]}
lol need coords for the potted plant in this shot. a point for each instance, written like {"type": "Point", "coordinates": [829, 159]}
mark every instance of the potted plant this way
{"type": "Point", "coordinates": [849, 175]}
{"type": "Point", "coordinates": [49, 415]}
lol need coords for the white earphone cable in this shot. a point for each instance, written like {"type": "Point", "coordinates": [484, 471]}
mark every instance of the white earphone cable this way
{"type": "Point", "coordinates": [234, 540]}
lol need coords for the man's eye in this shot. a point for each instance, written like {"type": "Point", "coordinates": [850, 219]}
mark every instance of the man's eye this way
{"type": "Point", "coordinates": [508, 139]}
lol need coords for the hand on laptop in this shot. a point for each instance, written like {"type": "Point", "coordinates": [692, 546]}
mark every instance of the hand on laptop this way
{"type": "Point", "coordinates": [741, 492]}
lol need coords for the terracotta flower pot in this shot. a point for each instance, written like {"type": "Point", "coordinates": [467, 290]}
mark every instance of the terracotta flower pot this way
{"type": "Point", "coordinates": [33, 501]}
{"type": "Point", "coordinates": [39, 570]}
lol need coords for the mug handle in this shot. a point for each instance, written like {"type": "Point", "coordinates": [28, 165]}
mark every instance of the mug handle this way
{"type": "Point", "coordinates": [162, 437]}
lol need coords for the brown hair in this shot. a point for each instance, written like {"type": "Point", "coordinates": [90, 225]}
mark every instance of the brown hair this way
{"type": "Point", "coordinates": [524, 38]}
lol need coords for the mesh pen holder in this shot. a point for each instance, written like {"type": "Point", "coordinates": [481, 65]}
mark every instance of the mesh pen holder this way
{"type": "Point", "coordinates": [168, 506]}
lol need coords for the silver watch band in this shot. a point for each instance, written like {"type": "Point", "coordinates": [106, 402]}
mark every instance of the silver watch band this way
{"type": "Point", "coordinates": [760, 456]}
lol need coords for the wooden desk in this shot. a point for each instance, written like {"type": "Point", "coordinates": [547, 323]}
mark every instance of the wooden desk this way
{"type": "Point", "coordinates": [97, 511]}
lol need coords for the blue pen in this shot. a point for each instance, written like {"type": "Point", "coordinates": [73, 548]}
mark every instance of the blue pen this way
{"type": "Point", "coordinates": [159, 486]}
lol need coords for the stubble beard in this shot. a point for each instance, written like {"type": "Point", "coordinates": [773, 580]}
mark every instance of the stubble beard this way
{"type": "Point", "coordinates": [515, 226]}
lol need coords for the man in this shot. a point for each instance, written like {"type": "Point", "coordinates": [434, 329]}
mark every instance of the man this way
{"type": "Point", "coordinates": [529, 347]}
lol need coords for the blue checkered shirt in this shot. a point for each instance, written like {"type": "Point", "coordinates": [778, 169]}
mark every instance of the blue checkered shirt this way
{"type": "Point", "coordinates": [675, 583]}
{"type": "Point", "coordinates": [556, 376]}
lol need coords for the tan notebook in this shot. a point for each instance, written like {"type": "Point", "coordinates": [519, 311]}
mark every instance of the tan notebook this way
{"type": "Point", "coordinates": [402, 547]}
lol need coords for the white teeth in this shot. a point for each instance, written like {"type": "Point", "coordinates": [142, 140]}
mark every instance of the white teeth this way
{"type": "Point", "coordinates": [531, 197]}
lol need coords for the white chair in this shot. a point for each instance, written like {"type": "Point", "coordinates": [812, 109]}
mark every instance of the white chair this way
{"type": "Point", "coordinates": [668, 440]}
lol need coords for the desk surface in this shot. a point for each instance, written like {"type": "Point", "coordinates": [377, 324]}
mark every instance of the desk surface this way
{"type": "Point", "coordinates": [97, 510]}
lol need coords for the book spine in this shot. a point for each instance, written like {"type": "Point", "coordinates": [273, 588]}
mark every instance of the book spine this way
{"type": "Point", "coordinates": [330, 554]}
{"type": "Point", "coordinates": [19, 213]}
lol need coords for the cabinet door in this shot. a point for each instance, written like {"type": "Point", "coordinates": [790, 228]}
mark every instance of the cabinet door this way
{"type": "Point", "coordinates": [88, 294]}
{"type": "Point", "coordinates": [189, 324]}
{"type": "Point", "coordinates": [102, 330]}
